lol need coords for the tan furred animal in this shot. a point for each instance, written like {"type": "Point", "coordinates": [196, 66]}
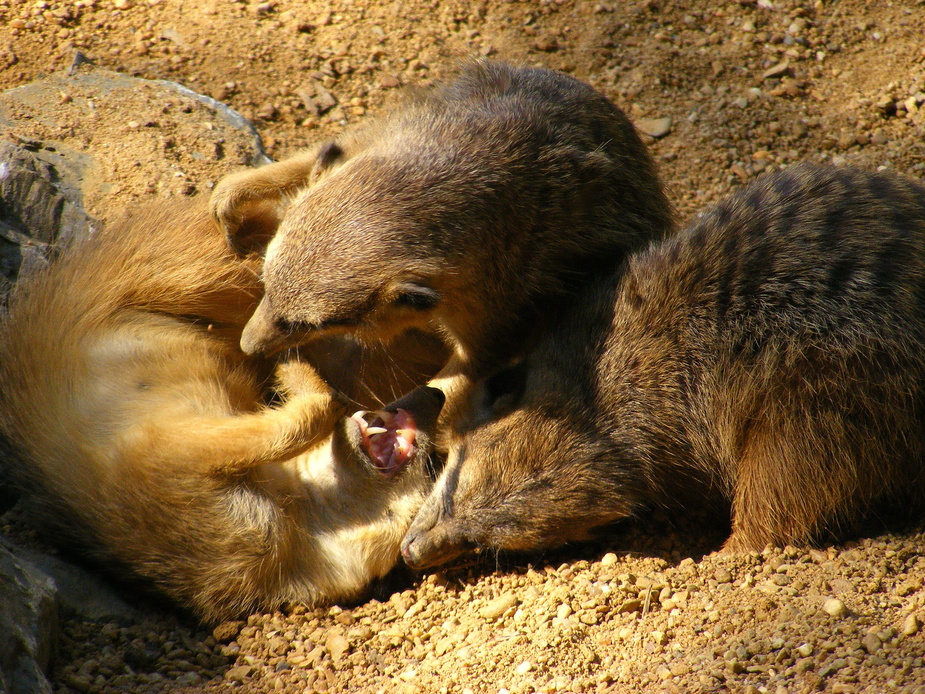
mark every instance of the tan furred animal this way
{"type": "Point", "coordinates": [146, 443]}
{"type": "Point", "coordinates": [475, 207]}
{"type": "Point", "coordinates": [770, 357]}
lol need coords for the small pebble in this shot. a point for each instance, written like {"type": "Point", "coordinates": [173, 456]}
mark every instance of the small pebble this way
{"type": "Point", "coordinates": [499, 606]}
{"type": "Point", "coordinates": [654, 127]}
{"type": "Point", "coordinates": [835, 607]}
{"type": "Point", "coordinates": [871, 643]}
{"type": "Point", "coordinates": [336, 645]}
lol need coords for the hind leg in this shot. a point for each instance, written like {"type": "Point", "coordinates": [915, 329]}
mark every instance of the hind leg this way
{"type": "Point", "coordinates": [785, 490]}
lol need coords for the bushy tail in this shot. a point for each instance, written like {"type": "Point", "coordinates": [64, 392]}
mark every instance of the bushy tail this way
{"type": "Point", "coordinates": [171, 260]}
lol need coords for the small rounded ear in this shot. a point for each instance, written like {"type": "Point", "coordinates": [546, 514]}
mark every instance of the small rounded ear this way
{"type": "Point", "coordinates": [595, 171]}
{"type": "Point", "coordinates": [504, 389]}
{"type": "Point", "coordinates": [595, 166]}
{"type": "Point", "coordinates": [329, 154]}
{"type": "Point", "coordinates": [249, 205]}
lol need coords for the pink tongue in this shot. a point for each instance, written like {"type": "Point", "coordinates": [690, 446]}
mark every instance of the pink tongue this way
{"type": "Point", "coordinates": [388, 439]}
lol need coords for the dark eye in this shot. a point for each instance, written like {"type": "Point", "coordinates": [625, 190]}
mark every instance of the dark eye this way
{"type": "Point", "coordinates": [505, 388]}
{"type": "Point", "coordinates": [417, 297]}
{"type": "Point", "coordinates": [288, 327]}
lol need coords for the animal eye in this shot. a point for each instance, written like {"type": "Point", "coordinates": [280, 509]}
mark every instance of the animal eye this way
{"type": "Point", "coordinates": [504, 389]}
{"type": "Point", "coordinates": [288, 327]}
{"type": "Point", "coordinates": [417, 297]}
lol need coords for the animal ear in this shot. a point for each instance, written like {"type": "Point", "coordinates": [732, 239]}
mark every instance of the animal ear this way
{"type": "Point", "coordinates": [594, 169]}
{"type": "Point", "coordinates": [249, 205]}
{"type": "Point", "coordinates": [504, 389]}
{"type": "Point", "coordinates": [595, 175]}
{"type": "Point", "coordinates": [329, 155]}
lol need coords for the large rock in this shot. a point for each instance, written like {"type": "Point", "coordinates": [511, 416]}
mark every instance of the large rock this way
{"type": "Point", "coordinates": [81, 594]}
{"type": "Point", "coordinates": [40, 203]}
{"type": "Point", "coordinates": [28, 624]}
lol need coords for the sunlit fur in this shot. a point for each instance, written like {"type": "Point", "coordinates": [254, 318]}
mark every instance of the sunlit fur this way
{"type": "Point", "coordinates": [770, 357]}
{"type": "Point", "coordinates": [496, 191]}
{"type": "Point", "coordinates": [145, 442]}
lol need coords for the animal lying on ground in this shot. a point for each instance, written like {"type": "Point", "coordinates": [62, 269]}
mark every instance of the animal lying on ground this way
{"type": "Point", "coordinates": [472, 209]}
{"type": "Point", "coordinates": [770, 357]}
{"type": "Point", "coordinates": [146, 441]}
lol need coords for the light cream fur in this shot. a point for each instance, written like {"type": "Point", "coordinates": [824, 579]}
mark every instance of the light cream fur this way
{"type": "Point", "coordinates": [146, 443]}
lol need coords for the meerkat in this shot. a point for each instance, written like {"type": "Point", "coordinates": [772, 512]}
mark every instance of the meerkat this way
{"type": "Point", "coordinates": [476, 207]}
{"type": "Point", "coordinates": [770, 358]}
{"type": "Point", "coordinates": [146, 442]}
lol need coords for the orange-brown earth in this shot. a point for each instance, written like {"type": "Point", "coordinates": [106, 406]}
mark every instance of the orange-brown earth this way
{"type": "Point", "coordinates": [748, 86]}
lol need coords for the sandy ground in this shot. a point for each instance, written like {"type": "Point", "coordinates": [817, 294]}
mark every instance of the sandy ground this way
{"type": "Point", "coordinates": [747, 87]}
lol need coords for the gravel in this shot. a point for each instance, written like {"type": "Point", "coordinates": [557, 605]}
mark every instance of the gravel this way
{"type": "Point", "coordinates": [741, 88]}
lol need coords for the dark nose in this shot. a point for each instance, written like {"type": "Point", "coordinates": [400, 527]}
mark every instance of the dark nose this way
{"type": "Point", "coordinates": [424, 403]}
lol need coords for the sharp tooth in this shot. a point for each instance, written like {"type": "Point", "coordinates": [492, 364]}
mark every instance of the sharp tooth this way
{"type": "Point", "coordinates": [375, 430]}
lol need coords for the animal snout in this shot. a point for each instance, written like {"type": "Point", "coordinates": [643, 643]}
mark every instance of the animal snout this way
{"type": "Point", "coordinates": [425, 402]}
{"type": "Point", "coordinates": [424, 548]}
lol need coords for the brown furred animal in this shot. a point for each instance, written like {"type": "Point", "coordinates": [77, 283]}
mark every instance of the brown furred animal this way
{"type": "Point", "coordinates": [146, 441]}
{"type": "Point", "coordinates": [770, 357]}
{"type": "Point", "coordinates": [472, 208]}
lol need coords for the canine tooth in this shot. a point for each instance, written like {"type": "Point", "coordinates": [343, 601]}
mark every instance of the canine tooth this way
{"type": "Point", "coordinates": [376, 430]}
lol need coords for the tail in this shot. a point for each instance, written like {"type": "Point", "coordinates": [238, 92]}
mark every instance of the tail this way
{"type": "Point", "coordinates": [171, 260]}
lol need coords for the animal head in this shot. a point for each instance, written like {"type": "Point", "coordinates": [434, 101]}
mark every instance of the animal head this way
{"type": "Point", "coordinates": [381, 475]}
{"type": "Point", "coordinates": [459, 209]}
{"type": "Point", "coordinates": [352, 254]}
{"type": "Point", "coordinates": [531, 473]}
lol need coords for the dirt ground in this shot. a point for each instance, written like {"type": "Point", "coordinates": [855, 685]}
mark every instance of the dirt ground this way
{"type": "Point", "coordinates": [730, 89]}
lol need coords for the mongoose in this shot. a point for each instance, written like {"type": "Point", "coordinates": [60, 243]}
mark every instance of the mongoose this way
{"type": "Point", "coordinates": [472, 208]}
{"type": "Point", "coordinates": [146, 440]}
{"type": "Point", "coordinates": [770, 357]}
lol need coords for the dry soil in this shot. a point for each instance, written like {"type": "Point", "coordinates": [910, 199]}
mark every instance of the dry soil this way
{"type": "Point", "coordinates": [729, 90]}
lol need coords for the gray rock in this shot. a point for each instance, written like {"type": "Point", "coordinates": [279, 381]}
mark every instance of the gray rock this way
{"type": "Point", "coordinates": [28, 624]}
{"type": "Point", "coordinates": [82, 594]}
{"type": "Point", "coordinates": [229, 115]}
{"type": "Point", "coordinates": [40, 204]}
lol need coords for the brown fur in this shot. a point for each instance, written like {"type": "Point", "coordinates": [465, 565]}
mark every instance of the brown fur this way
{"type": "Point", "coordinates": [770, 357]}
{"type": "Point", "coordinates": [473, 208]}
{"type": "Point", "coordinates": [146, 443]}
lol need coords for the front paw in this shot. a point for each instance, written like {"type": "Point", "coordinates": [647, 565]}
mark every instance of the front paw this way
{"type": "Point", "coordinates": [225, 204]}
{"type": "Point", "coordinates": [298, 378]}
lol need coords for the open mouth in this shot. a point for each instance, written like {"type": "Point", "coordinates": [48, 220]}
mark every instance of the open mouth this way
{"type": "Point", "coordinates": [388, 439]}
